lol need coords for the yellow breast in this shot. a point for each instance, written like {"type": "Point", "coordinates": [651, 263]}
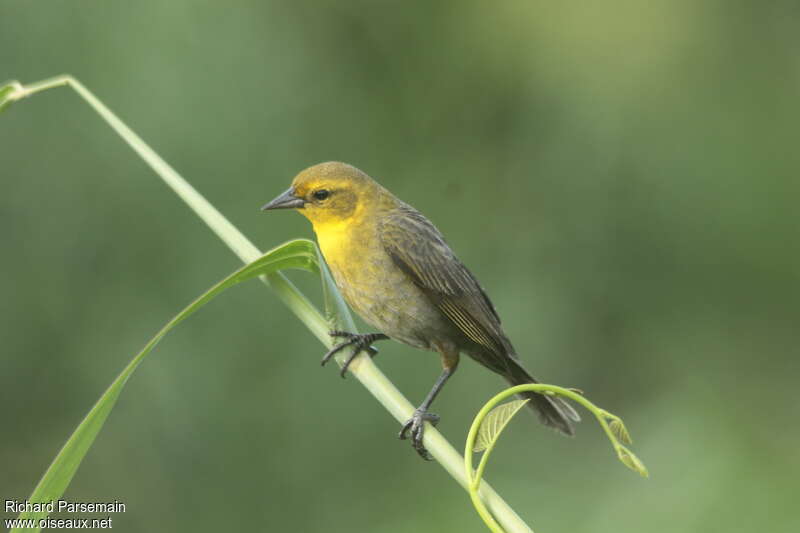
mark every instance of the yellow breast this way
{"type": "Point", "coordinates": [336, 242]}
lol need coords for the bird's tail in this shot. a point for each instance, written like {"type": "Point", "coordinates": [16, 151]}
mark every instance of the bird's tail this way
{"type": "Point", "coordinates": [552, 411]}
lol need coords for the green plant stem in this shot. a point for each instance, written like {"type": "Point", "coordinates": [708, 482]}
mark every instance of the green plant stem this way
{"type": "Point", "coordinates": [475, 477]}
{"type": "Point", "coordinates": [362, 368]}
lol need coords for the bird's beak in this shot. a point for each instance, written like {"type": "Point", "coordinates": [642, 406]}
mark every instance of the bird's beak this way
{"type": "Point", "coordinates": [287, 200]}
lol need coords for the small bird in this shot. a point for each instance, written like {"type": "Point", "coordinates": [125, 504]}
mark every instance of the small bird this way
{"type": "Point", "coordinates": [395, 269]}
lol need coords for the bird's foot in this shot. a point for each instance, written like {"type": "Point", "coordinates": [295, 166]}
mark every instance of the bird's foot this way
{"type": "Point", "coordinates": [416, 428]}
{"type": "Point", "coordinates": [359, 342]}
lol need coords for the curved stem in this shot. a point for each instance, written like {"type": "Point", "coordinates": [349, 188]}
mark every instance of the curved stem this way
{"type": "Point", "coordinates": [475, 476]}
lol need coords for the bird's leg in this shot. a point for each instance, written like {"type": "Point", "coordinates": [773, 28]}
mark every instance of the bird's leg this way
{"type": "Point", "coordinates": [416, 424]}
{"type": "Point", "coordinates": [359, 342]}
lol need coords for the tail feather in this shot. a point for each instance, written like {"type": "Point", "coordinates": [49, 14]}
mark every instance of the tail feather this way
{"type": "Point", "coordinates": [552, 411]}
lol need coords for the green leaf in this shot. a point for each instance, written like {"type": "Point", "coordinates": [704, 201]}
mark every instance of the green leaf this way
{"type": "Point", "coordinates": [7, 89]}
{"type": "Point", "coordinates": [620, 431]}
{"type": "Point", "coordinates": [494, 423]}
{"type": "Point", "coordinates": [300, 253]}
{"type": "Point", "coordinates": [631, 461]}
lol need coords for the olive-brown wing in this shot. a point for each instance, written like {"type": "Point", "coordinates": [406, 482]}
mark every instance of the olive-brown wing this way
{"type": "Point", "coordinates": [418, 248]}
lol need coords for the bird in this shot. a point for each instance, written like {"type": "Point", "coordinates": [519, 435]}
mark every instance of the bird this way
{"type": "Point", "coordinates": [396, 271]}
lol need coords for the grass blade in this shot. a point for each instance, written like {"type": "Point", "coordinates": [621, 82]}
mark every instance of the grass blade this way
{"type": "Point", "coordinates": [363, 369]}
{"type": "Point", "coordinates": [299, 253]}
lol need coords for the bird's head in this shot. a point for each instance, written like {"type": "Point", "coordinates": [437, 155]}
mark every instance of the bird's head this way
{"type": "Point", "coordinates": [328, 193]}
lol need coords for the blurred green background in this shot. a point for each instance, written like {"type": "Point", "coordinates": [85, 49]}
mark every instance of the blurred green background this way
{"type": "Point", "coordinates": [621, 176]}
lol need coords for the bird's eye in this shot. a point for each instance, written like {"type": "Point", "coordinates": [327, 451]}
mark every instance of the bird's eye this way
{"type": "Point", "coordinates": [321, 194]}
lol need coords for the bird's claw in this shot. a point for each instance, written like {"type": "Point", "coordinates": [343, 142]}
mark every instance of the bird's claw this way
{"type": "Point", "coordinates": [359, 342]}
{"type": "Point", "coordinates": [415, 427]}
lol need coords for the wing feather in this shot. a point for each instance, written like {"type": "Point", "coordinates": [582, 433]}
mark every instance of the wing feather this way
{"type": "Point", "coordinates": [418, 248]}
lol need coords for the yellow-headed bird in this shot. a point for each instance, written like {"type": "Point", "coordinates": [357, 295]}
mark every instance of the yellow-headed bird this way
{"type": "Point", "coordinates": [395, 269]}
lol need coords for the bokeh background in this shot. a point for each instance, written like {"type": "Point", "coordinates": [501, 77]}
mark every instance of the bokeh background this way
{"type": "Point", "coordinates": [621, 176]}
